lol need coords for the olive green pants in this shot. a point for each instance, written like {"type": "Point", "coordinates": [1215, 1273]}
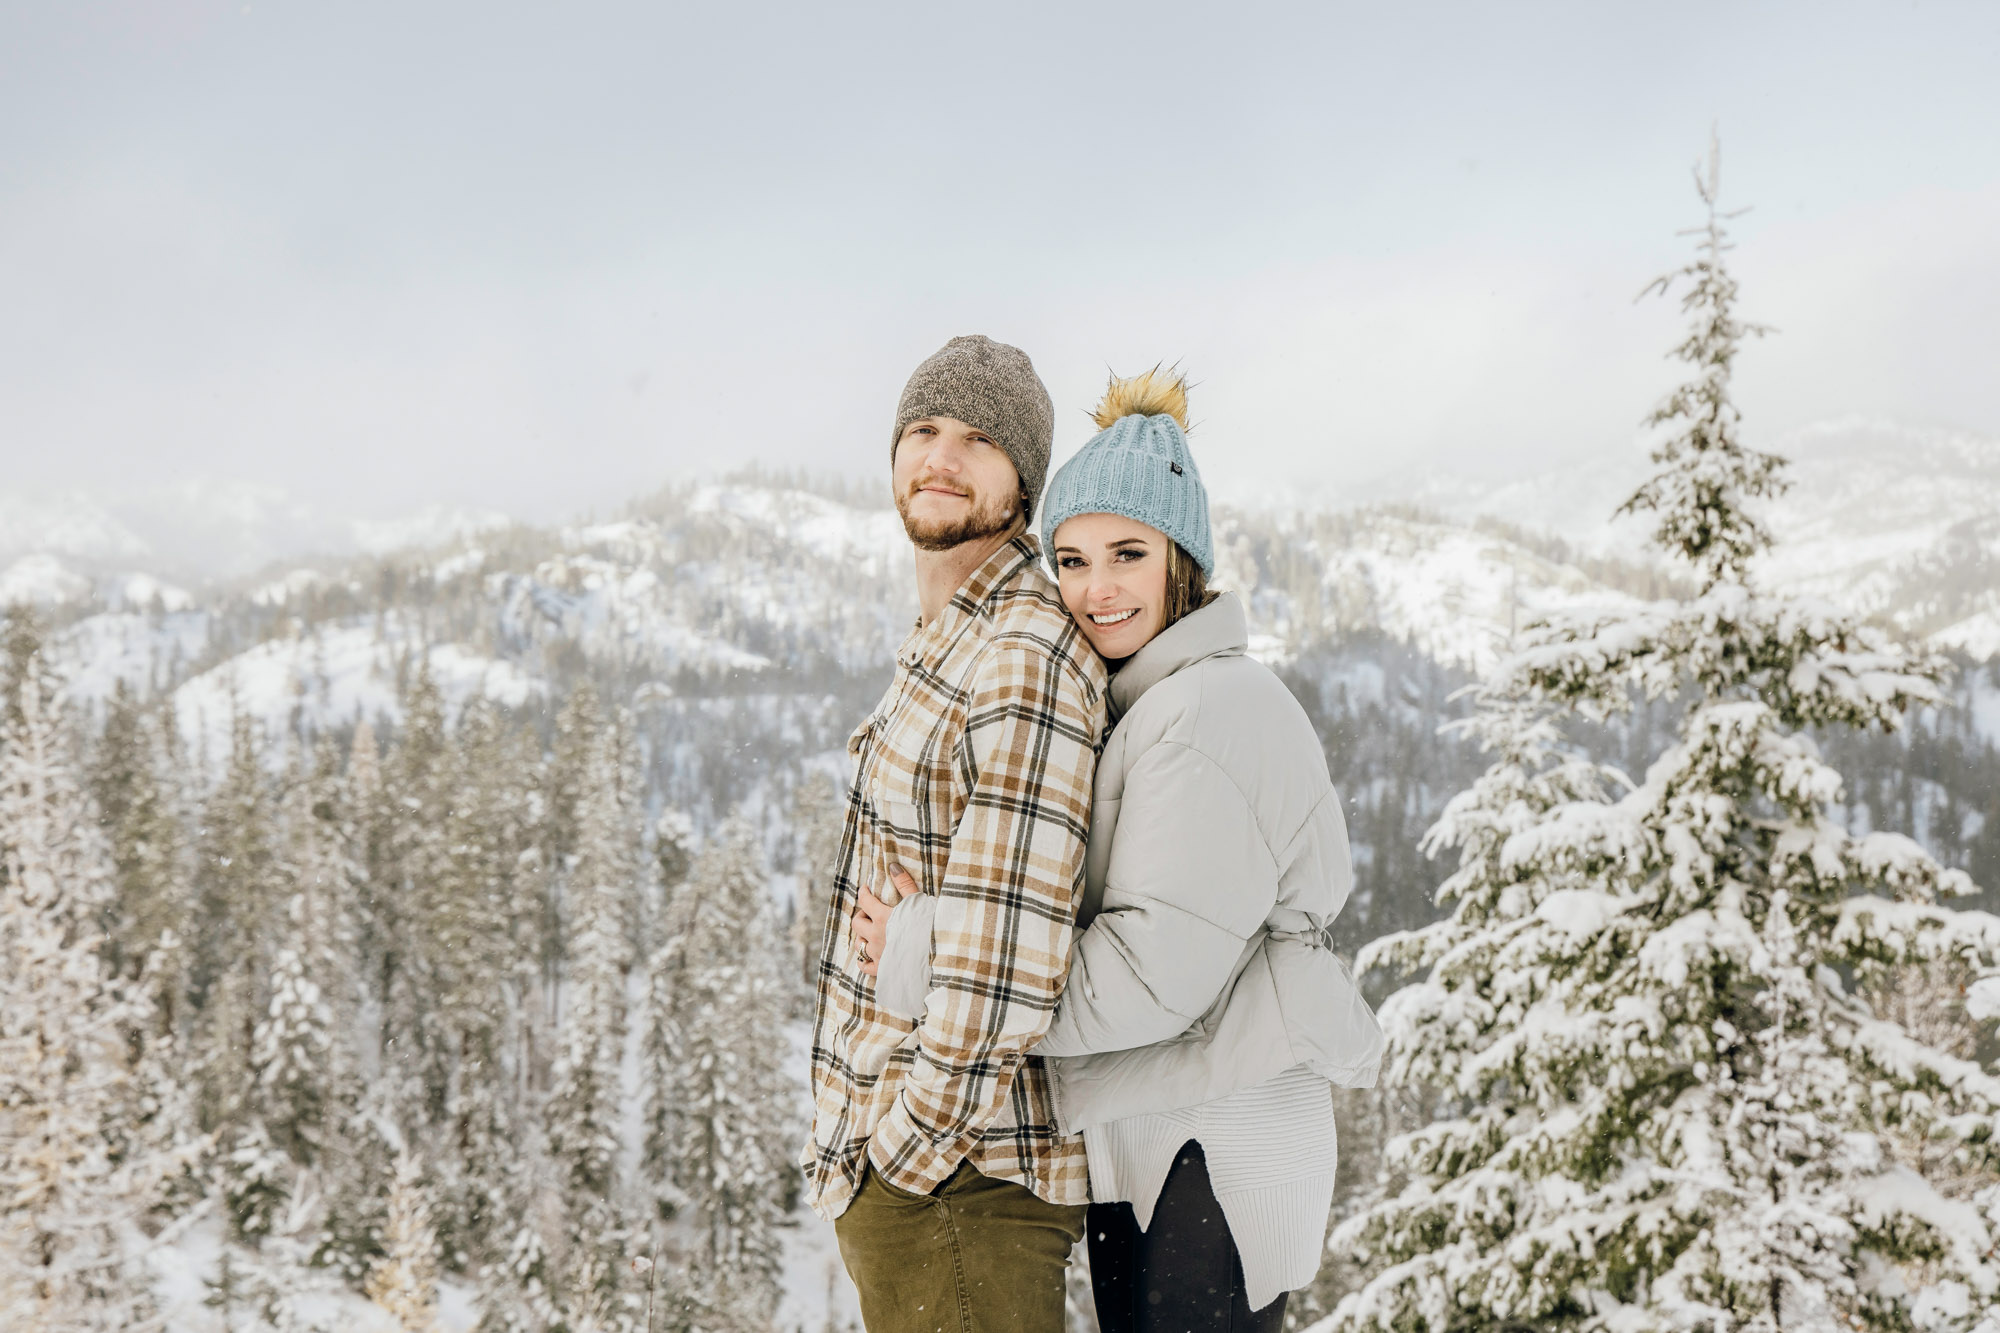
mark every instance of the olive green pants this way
{"type": "Point", "coordinates": [976, 1255]}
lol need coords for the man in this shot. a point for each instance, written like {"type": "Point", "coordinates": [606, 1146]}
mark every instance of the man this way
{"type": "Point", "coordinates": [934, 1147]}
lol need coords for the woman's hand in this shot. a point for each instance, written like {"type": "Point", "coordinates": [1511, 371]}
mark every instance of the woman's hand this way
{"type": "Point", "coordinates": [871, 920]}
{"type": "Point", "coordinates": [871, 931]}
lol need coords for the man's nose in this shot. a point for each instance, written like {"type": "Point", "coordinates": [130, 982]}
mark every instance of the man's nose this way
{"type": "Point", "coordinates": [947, 454]}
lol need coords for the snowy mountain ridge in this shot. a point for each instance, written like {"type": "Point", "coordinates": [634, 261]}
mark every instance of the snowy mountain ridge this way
{"type": "Point", "coordinates": [759, 580]}
{"type": "Point", "coordinates": [1884, 517]}
{"type": "Point", "coordinates": [735, 591]}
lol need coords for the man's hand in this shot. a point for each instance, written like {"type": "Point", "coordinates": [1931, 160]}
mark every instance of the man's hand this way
{"type": "Point", "coordinates": [871, 920]}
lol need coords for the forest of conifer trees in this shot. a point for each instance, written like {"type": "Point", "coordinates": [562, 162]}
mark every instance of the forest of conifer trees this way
{"type": "Point", "coordinates": [381, 1009]}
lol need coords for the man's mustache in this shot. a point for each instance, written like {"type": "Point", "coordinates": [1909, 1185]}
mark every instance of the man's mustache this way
{"type": "Point", "coordinates": [923, 483]}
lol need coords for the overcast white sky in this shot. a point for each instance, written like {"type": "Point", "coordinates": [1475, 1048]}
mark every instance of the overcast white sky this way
{"type": "Point", "coordinates": [541, 257]}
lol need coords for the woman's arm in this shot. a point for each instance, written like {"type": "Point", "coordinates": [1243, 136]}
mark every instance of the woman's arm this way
{"type": "Point", "coordinates": [903, 974]}
{"type": "Point", "coordinates": [1190, 879]}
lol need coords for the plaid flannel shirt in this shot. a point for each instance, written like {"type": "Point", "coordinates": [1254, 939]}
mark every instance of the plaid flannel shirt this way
{"type": "Point", "coordinates": [974, 774]}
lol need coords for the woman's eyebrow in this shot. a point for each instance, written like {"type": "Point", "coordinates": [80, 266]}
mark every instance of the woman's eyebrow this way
{"type": "Point", "coordinates": [1128, 541]}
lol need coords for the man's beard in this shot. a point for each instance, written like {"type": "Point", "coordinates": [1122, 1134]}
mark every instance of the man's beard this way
{"type": "Point", "coordinates": [986, 519]}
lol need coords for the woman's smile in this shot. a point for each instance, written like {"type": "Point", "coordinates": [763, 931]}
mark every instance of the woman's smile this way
{"type": "Point", "coordinates": [1113, 574]}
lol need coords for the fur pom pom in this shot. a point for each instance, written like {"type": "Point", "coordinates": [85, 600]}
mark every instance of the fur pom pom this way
{"type": "Point", "coordinates": [1155, 392]}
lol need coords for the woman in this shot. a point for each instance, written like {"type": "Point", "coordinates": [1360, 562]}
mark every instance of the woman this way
{"type": "Point", "coordinates": [1205, 1014]}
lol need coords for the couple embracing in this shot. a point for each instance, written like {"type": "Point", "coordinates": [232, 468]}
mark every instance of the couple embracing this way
{"type": "Point", "coordinates": [1076, 975]}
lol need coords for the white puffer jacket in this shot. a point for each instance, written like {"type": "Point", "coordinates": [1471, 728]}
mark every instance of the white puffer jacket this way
{"type": "Point", "coordinates": [1217, 859]}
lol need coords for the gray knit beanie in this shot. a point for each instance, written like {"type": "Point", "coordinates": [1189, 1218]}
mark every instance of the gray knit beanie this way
{"type": "Point", "coordinates": [1137, 465]}
{"type": "Point", "coordinates": [991, 386]}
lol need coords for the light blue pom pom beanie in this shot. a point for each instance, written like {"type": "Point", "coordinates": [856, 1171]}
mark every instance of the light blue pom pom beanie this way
{"type": "Point", "coordinates": [1137, 465]}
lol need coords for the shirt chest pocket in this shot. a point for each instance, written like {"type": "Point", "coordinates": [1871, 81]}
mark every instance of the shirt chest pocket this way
{"type": "Point", "coordinates": [910, 830]}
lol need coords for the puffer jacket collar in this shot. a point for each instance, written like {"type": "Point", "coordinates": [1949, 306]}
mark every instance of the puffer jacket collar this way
{"type": "Point", "coordinates": [1220, 629]}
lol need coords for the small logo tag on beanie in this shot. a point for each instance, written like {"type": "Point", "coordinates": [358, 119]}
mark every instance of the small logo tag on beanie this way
{"type": "Point", "coordinates": [1177, 469]}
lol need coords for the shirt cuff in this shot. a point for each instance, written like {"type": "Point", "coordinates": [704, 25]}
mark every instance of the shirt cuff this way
{"type": "Point", "coordinates": [905, 1155]}
{"type": "Point", "coordinates": [903, 977]}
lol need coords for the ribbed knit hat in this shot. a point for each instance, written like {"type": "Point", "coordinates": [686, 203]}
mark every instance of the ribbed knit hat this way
{"type": "Point", "coordinates": [993, 387]}
{"type": "Point", "coordinates": [1137, 465]}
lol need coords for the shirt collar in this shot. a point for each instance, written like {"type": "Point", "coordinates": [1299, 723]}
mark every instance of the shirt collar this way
{"type": "Point", "coordinates": [970, 600]}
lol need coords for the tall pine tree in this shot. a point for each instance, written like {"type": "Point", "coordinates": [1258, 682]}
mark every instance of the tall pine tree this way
{"type": "Point", "coordinates": [735, 1129]}
{"type": "Point", "coordinates": [411, 904]}
{"type": "Point", "coordinates": [481, 973]}
{"type": "Point", "coordinates": [303, 1051]}
{"type": "Point", "coordinates": [362, 1146]}
{"type": "Point", "coordinates": [404, 1281]}
{"type": "Point", "coordinates": [1674, 1106]}
{"type": "Point", "coordinates": [818, 811]}
{"type": "Point", "coordinates": [600, 891]}
{"type": "Point", "coordinates": [74, 1179]}
{"type": "Point", "coordinates": [666, 986]}
{"type": "Point", "coordinates": [236, 910]}
{"type": "Point", "coordinates": [135, 790]}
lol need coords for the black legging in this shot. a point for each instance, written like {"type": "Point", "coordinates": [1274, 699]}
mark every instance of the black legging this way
{"type": "Point", "coordinates": [1181, 1275]}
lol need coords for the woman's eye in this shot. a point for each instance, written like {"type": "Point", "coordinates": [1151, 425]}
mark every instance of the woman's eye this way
{"type": "Point", "coordinates": [1129, 556]}
{"type": "Point", "coordinates": [1070, 562]}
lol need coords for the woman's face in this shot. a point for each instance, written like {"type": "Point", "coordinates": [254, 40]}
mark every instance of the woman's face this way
{"type": "Point", "coordinates": [1113, 572]}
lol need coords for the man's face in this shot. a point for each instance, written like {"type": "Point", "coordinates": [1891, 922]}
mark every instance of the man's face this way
{"type": "Point", "coordinates": [953, 483]}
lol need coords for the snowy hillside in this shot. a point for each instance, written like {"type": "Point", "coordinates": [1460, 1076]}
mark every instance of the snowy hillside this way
{"type": "Point", "coordinates": [719, 583]}
{"type": "Point", "coordinates": [718, 590]}
{"type": "Point", "coordinates": [1457, 593]}
{"type": "Point", "coordinates": [1888, 518]}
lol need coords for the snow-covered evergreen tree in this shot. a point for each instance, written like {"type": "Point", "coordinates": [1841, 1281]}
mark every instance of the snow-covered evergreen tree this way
{"type": "Point", "coordinates": [256, 1183]}
{"type": "Point", "coordinates": [137, 801]}
{"type": "Point", "coordinates": [303, 1052]}
{"type": "Point", "coordinates": [232, 1292]}
{"type": "Point", "coordinates": [1673, 1103]}
{"type": "Point", "coordinates": [666, 984]}
{"type": "Point", "coordinates": [141, 803]}
{"type": "Point", "coordinates": [673, 849]}
{"type": "Point", "coordinates": [519, 1290]}
{"type": "Point", "coordinates": [354, 1225]}
{"type": "Point", "coordinates": [583, 1108]}
{"type": "Point", "coordinates": [736, 1126]}
{"type": "Point", "coordinates": [74, 1178]}
{"type": "Point", "coordinates": [818, 813]}
{"type": "Point", "coordinates": [404, 1281]}
{"type": "Point", "coordinates": [278, 1274]}
{"type": "Point", "coordinates": [564, 782]}
{"type": "Point", "coordinates": [236, 900]}
{"type": "Point", "coordinates": [481, 971]}
{"type": "Point", "coordinates": [349, 844]}
{"type": "Point", "coordinates": [410, 905]}
{"type": "Point", "coordinates": [368, 821]}
{"type": "Point", "coordinates": [292, 1046]}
